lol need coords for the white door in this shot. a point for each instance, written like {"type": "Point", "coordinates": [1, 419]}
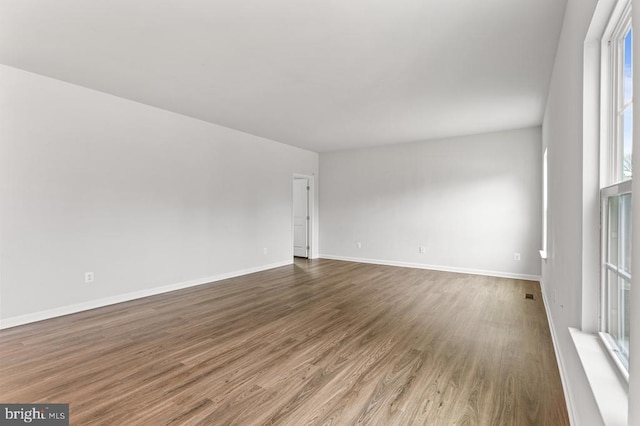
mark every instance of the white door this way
{"type": "Point", "coordinates": [301, 217]}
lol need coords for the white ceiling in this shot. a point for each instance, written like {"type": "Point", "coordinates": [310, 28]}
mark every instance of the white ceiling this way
{"type": "Point", "coordinates": [322, 75]}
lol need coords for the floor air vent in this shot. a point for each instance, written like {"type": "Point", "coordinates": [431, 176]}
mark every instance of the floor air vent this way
{"type": "Point", "coordinates": [528, 296]}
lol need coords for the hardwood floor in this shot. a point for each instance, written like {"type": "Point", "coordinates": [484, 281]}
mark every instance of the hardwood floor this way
{"type": "Point", "coordinates": [318, 342]}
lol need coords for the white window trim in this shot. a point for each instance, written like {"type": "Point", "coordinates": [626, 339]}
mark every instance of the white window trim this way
{"type": "Point", "coordinates": [606, 380]}
{"type": "Point", "coordinates": [612, 350]}
{"type": "Point", "coordinates": [609, 390]}
{"type": "Point", "coordinates": [545, 203]}
{"type": "Point", "coordinates": [616, 27]}
{"type": "Point", "coordinates": [614, 190]}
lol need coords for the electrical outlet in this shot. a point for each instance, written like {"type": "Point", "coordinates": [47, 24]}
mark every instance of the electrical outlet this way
{"type": "Point", "coordinates": [421, 250]}
{"type": "Point", "coordinates": [265, 251]}
{"type": "Point", "coordinates": [359, 244]}
{"type": "Point", "coordinates": [88, 277]}
{"type": "Point", "coordinates": [516, 257]}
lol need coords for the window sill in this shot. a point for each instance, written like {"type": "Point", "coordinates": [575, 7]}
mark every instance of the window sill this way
{"type": "Point", "coordinates": [609, 389]}
{"type": "Point", "coordinates": [543, 254]}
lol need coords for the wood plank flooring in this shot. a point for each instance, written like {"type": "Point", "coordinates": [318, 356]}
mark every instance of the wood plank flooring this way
{"type": "Point", "coordinates": [318, 342]}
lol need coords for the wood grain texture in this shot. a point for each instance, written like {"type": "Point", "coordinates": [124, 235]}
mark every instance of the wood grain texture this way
{"type": "Point", "coordinates": [318, 342]}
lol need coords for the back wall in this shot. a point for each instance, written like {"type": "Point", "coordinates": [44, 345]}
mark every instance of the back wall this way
{"type": "Point", "coordinates": [471, 202]}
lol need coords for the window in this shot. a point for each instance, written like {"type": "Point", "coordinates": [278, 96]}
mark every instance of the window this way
{"type": "Point", "coordinates": [545, 196]}
{"type": "Point", "coordinates": [615, 186]}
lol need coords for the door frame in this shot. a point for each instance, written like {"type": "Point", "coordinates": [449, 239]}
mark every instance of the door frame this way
{"type": "Point", "coordinates": [311, 206]}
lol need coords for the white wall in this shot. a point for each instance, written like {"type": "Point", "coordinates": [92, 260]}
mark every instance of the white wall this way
{"type": "Point", "coordinates": [142, 197]}
{"type": "Point", "coordinates": [563, 136]}
{"type": "Point", "coordinates": [472, 202]}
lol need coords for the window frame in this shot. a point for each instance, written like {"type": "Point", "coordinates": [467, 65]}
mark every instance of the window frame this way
{"type": "Point", "coordinates": [615, 100]}
{"type": "Point", "coordinates": [613, 183]}
{"type": "Point", "coordinates": [618, 354]}
{"type": "Point", "coordinates": [545, 203]}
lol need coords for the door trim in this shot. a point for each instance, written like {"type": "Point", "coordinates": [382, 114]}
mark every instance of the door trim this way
{"type": "Point", "coordinates": [311, 228]}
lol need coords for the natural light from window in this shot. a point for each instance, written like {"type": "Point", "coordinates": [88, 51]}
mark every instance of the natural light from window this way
{"type": "Point", "coordinates": [615, 192]}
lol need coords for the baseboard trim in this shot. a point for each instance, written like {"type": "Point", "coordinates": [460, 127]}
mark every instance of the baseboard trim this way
{"type": "Point", "coordinates": [559, 359]}
{"type": "Point", "coordinates": [112, 300]}
{"type": "Point", "coordinates": [434, 267]}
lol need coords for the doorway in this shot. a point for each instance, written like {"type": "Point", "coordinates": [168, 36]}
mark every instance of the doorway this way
{"type": "Point", "coordinates": [301, 216]}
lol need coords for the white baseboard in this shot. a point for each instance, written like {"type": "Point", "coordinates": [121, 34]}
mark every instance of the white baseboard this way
{"type": "Point", "coordinates": [434, 267]}
{"type": "Point", "coordinates": [559, 359]}
{"type": "Point", "coordinates": [93, 304]}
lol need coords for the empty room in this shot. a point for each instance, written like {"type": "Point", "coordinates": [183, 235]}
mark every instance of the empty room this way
{"type": "Point", "coordinates": [410, 212]}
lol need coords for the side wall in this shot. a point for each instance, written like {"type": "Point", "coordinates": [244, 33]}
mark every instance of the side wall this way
{"type": "Point", "coordinates": [145, 199]}
{"type": "Point", "coordinates": [562, 136]}
{"type": "Point", "coordinates": [471, 202]}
